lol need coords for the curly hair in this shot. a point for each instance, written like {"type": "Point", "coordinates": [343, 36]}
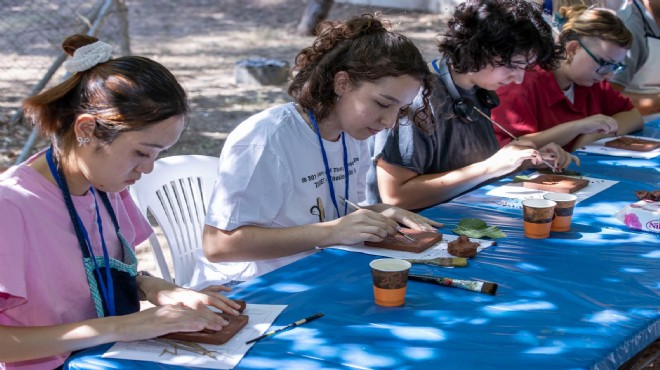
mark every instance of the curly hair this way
{"type": "Point", "coordinates": [493, 32]}
{"type": "Point", "coordinates": [123, 94]}
{"type": "Point", "coordinates": [599, 23]}
{"type": "Point", "coordinates": [367, 52]}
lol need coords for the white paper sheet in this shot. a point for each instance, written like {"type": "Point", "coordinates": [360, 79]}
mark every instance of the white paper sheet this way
{"type": "Point", "coordinates": [519, 193]}
{"type": "Point", "coordinates": [437, 250]}
{"type": "Point", "coordinates": [225, 356]}
{"type": "Point", "coordinates": [598, 147]}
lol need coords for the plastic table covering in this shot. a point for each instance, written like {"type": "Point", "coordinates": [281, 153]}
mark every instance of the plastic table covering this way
{"type": "Point", "coordinates": [632, 174]}
{"type": "Point", "coordinates": [558, 306]}
{"type": "Point", "coordinates": [585, 299]}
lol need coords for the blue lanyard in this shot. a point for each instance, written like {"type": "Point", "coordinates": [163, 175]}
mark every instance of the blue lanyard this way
{"type": "Point", "coordinates": [107, 288]}
{"type": "Point", "coordinates": [327, 165]}
{"type": "Point", "coordinates": [434, 63]}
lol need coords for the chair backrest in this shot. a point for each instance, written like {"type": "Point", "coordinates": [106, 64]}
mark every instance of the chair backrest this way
{"type": "Point", "coordinates": [176, 194]}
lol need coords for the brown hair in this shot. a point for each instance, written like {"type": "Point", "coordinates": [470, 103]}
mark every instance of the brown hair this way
{"type": "Point", "coordinates": [558, 4]}
{"type": "Point", "coordinates": [366, 51]}
{"type": "Point", "coordinates": [599, 23]}
{"type": "Point", "coordinates": [493, 32]}
{"type": "Point", "coordinates": [123, 94]}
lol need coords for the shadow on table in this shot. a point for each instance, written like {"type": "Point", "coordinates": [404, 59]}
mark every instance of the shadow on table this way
{"type": "Point", "coordinates": [577, 231]}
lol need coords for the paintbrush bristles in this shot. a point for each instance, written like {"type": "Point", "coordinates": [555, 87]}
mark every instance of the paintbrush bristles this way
{"type": "Point", "coordinates": [489, 288]}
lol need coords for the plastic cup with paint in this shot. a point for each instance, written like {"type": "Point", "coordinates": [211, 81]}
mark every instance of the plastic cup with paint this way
{"type": "Point", "coordinates": [537, 217]}
{"type": "Point", "coordinates": [563, 210]}
{"type": "Point", "coordinates": [390, 279]}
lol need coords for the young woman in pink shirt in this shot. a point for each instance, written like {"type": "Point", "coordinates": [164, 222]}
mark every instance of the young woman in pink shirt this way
{"type": "Point", "coordinates": [66, 215]}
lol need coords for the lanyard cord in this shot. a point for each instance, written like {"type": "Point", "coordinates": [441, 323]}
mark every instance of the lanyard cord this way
{"type": "Point", "coordinates": [474, 107]}
{"type": "Point", "coordinates": [327, 165]}
{"type": "Point", "coordinates": [110, 289]}
{"type": "Point", "coordinates": [113, 217]}
{"type": "Point", "coordinates": [107, 288]}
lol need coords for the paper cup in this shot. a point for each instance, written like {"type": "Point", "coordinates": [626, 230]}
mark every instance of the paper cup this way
{"type": "Point", "coordinates": [390, 278]}
{"type": "Point", "coordinates": [563, 210]}
{"type": "Point", "coordinates": [537, 217]}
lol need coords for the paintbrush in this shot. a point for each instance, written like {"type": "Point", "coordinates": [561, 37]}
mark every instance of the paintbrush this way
{"type": "Point", "coordinates": [496, 124]}
{"type": "Point", "coordinates": [356, 207]}
{"type": "Point", "coordinates": [473, 285]}
{"type": "Point", "coordinates": [442, 261]}
{"type": "Point", "coordinates": [514, 138]}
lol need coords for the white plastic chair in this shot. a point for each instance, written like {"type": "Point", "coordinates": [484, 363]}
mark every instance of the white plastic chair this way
{"type": "Point", "coordinates": [176, 193]}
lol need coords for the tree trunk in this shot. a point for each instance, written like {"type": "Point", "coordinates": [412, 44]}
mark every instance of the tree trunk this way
{"type": "Point", "coordinates": [315, 12]}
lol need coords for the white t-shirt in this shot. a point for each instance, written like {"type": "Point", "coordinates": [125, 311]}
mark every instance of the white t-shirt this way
{"type": "Point", "coordinates": [272, 175]}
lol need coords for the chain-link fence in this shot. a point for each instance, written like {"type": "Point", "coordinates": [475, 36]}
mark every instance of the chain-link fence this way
{"type": "Point", "coordinates": [31, 34]}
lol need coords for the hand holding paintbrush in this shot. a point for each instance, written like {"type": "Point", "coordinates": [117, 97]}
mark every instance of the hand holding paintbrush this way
{"type": "Point", "coordinates": [355, 207]}
{"type": "Point", "coordinates": [549, 159]}
{"type": "Point", "coordinates": [473, 285]}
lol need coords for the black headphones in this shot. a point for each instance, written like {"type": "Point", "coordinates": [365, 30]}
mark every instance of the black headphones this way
{"type": "Point", "coordinates": [464, 108]}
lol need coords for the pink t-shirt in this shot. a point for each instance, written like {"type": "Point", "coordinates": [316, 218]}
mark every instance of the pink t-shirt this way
{"type": "Point", "coordinates": [42, 278]}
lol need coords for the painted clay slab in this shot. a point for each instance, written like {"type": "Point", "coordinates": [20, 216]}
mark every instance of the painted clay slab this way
{"type": "Point", "coordinates": [632, 143]}
{"type": "Point", "coordinates": [236, 323]}
{"type": "Point", "coordinates": [556, 183]}
{"type": "Point", "coordinates": [423, 241]}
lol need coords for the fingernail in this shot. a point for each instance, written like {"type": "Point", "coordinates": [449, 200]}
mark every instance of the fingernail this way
{"type": "Point", "coordinates": [215, 327]}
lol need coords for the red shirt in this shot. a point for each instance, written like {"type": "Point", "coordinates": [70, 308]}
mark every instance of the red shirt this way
{"type": "Point", "coordinates": [539, 104]}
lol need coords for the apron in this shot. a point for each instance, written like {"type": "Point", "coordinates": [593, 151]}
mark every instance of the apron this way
{"type": "Point", "coordinates": [112, 283]}
{"type": "Point", "coordinates": [647, 79]}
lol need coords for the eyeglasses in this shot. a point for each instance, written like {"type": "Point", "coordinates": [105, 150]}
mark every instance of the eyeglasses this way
{"type": "Point", "coordinates": [604, 67]}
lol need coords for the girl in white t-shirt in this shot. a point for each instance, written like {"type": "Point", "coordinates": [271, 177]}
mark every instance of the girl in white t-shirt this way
{"type": "Point", "coordinates": [273, 203]}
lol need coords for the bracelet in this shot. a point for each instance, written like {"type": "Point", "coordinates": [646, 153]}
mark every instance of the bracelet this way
{"type": "Point", "coordinates": [144, 273]}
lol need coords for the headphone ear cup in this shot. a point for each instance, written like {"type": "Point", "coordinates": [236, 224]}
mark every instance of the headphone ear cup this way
{"type": "Point", "coordinates": [488, 98]}
{"type": "Point", "coordinates": [464, 110]}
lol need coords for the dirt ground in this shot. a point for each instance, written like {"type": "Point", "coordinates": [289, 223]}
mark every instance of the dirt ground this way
{"type": "Point", "coordinates": [201, 41]}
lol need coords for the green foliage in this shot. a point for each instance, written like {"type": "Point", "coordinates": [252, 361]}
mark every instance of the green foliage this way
{"type": "Point", "coordinates": [521, 178]}
{"type": "Point", "coordinates": [476, 228]}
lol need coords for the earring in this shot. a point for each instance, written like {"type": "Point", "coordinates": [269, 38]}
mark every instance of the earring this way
{"type": "Point", "coordinates": [338, 98]}
{"type": "Point", "coordinates": [82, 141]}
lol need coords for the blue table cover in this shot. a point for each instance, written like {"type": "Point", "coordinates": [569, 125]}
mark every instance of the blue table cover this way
{"type": "Point", "coordinates": [631, 174]}
{"type": "Point", "coordinates": [585, 299]}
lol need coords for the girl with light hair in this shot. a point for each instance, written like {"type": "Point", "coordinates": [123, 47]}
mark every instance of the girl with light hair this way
{"type": "Point", "coordinates": [574, 104]}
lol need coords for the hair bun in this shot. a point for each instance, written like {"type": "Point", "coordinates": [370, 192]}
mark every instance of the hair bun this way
{"type": "Point", "coordinates": [572, 11]}
{"type": "Point", "coordinates": [72, 43]}
{"type": "Point", "coordinates": [85, 54]}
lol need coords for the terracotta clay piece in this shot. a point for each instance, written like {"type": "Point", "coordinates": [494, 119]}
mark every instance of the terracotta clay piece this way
{"type": "Point", "coordinates": [222, 336]}
{"type": "Point", "coordinates": [633, 143]}
{"type": "Point", "coordinates": [462, 247]}
{"type": "Point", "coordinates": [555, 183]}
{"type": "Point", "coordinates": [648, 195]}
{"type": "Point", "coordinates": [423, 241]}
